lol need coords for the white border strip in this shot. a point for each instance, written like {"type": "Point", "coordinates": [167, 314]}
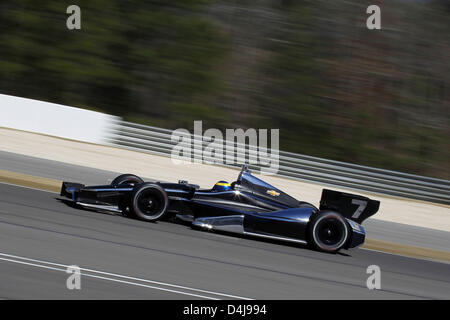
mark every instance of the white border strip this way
{"type": "Point", "coordinates": [48, 265]}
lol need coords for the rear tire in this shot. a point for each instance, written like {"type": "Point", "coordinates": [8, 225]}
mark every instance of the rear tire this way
{"type": "Point", "coordinates": [126, 179]}
{"type": "Point", "coordinates": [149, 202]}
{"type": "Point", "coordinates": [328, 231]}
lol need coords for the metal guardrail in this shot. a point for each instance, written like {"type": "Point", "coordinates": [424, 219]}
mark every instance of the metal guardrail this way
{"type": "Point", "coordinates": [297, 166]}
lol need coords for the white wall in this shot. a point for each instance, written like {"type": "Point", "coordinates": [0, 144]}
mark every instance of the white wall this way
{"type": "Point", "coordinates": [54, 119]}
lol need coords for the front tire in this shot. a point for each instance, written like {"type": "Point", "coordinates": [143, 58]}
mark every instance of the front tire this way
{"type": "Point", "coordinates": [149, 202]}
{"type": "Point", "coordinates": [328, 231]}
{"type": "Point", "coordinates": [126, 179]}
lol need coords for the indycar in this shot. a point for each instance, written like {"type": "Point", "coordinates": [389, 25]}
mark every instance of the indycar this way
{"type": "Point", "coordinates": [248, 206]}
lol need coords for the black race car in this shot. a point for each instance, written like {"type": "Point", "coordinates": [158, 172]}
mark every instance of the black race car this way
{"type": "Point", "coordinates": [247, 206]}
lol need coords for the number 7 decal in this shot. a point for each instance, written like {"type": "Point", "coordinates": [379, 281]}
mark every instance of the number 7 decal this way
{"type": "Point", "coordinates": [362, 204]}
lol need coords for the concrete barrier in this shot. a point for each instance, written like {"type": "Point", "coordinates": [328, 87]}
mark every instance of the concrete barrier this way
{"type": "Point", "coordinates": [54, 119]}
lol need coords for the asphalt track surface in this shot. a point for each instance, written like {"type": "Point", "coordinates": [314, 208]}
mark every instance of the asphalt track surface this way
{"type": "Point", "coordinates": [128, 259]}
{"type": "Point", "coordinates": [376, 229]}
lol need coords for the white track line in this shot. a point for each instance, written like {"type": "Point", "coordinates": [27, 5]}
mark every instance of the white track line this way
{"type": "Point", "coordinates": [13, 258]}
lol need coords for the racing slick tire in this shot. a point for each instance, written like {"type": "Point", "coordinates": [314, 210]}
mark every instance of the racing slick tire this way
{"type": "Point", "coordinates": [149, 202]}
{"type": "Point", "coordinates": [126, 179]}
{"type": "Point", "coordinates": [328, 231]}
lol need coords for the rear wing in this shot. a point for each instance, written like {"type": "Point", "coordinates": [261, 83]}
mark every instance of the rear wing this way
{"type": "Point", "coordinates": [351, 206]}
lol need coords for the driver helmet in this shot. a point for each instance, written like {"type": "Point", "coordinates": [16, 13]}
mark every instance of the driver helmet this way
{"type": "Point", "coordinates": [222, 186]}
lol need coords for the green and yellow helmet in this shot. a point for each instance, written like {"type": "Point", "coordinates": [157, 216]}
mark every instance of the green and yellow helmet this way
{"type": "Point", "coordinates": [222, 186]}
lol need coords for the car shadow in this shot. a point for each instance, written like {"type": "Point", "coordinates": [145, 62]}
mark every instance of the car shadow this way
{"type": "Point", "coordinates": [173, 219]}
{"type": "Point", "coordinates": [272, 241]}
{"type": "Point", "coordinates": [68, 203]}
{"type": "Point", "coordinates": [73, 205]}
